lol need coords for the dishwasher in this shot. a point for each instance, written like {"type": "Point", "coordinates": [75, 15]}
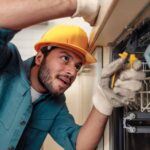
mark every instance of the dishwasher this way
{"type": "Point", "coordinates": [130, 125]}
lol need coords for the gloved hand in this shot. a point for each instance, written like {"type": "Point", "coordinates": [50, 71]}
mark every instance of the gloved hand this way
{"type": "Point", "coordinates": [88, 9]}
{"type": "Point", "coordinates": [126, 86]}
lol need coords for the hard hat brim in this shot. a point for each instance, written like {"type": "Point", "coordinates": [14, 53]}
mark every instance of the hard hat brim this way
{"type": "Point", "coordinates": [89, 59]}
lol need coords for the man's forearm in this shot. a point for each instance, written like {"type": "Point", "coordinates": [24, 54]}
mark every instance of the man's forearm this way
{"type": "Point", "coordinates": [17, 14]}
{"type": "Point", "coordinates": [92, 131]}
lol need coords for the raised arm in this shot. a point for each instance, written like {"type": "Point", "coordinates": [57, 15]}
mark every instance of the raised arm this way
{"type": "Point", "coordinates": [18, 14]}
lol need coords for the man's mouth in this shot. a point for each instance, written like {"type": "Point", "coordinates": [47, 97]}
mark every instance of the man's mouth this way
{"type": "Point", "coordinates": [65, 80]}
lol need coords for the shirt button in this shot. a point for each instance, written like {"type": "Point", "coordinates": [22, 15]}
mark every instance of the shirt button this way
{"type": "Point", "coordinates": [22, 122]}
{"type": "Point", "coordinates": [11, 148]}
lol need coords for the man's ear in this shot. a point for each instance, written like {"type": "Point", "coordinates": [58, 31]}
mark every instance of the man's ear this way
{"type": "Point", "coordinates": [38, 58]}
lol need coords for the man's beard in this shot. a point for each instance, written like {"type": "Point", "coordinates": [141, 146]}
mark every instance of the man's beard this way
{"type": "Point", "coordinates": [45, 79]}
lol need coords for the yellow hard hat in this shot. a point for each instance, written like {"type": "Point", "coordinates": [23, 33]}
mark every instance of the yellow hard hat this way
{"type": "Point", "coordinates": [67, 36]}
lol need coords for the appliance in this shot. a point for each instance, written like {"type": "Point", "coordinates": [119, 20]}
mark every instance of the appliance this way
{"type": "Point", "coordinates": [132, 123]}
{"type": "Point", "coordinates": [118, 22]}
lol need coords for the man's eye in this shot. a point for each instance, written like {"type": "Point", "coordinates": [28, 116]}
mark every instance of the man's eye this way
{"type": "Point", "coordinates": [65, 58]}
{"type": "Point", "coordinates": [78, 67]}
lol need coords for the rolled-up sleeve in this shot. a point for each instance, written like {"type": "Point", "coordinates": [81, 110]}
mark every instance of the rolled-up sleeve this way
{"type": "Point", "coordinates": [64, 130]}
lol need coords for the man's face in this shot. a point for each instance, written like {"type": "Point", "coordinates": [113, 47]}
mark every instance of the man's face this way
{"type": "Point", "coordinates": [59, 69]}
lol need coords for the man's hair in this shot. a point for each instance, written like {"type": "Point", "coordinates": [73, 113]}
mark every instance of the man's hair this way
{"type": "Point", "coordinates": [45, 51]}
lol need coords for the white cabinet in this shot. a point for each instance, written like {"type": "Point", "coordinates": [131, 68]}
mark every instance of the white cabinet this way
{"type": "Point", "coordinates": [115, 17]}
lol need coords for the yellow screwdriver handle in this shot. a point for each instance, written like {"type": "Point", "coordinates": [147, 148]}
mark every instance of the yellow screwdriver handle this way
{"type": "Point", "coordinates": [123, 55]}
{"type": "Point", "coordinates": [132, 59]}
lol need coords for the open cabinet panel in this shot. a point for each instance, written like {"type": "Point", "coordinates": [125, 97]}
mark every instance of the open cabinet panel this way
{"type": "Point", "coordinates": [115, 18]}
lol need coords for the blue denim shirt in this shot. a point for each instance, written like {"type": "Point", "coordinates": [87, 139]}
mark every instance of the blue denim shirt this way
{"type": "Point", "coordinates": [23, 125]}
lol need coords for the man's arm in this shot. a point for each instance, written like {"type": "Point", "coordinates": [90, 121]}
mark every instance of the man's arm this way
{"type": "Point", "coordinates": [18, 14]}
{"type": "Point", "coordinates": [105, 99]}
{"type": "Point", "coordinates": [92, 131]}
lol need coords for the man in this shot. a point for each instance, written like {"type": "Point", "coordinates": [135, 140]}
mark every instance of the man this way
{"type": "Point", "coordinates": [32, 101]}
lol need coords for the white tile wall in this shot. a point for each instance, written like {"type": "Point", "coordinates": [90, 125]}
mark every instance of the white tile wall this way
{"type": "Point", "coordinates": [26, 39]}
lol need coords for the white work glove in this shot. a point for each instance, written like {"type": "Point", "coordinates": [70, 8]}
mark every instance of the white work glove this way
{"type": "Point", "coordinates": [126, 86]}
{"type": "Point", "coordinates": [88, 9]}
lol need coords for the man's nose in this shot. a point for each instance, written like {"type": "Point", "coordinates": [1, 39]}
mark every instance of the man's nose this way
{"type": "Point", "coordinates": [71, 70]}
